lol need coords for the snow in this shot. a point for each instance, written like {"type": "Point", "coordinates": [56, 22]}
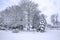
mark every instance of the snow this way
{"type": "Point", "coordinates": [48, 35]}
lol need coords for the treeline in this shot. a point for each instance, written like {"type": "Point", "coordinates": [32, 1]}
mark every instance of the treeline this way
{"type": "Point", "coordinates": [25, 16]}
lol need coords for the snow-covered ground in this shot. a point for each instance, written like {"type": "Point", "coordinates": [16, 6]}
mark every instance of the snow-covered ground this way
{"type": "Point", "coordinates": [49, 35]}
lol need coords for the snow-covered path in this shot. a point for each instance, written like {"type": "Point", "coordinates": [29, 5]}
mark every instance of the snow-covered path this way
{"type": "Point", "coordinates": [49, 35]}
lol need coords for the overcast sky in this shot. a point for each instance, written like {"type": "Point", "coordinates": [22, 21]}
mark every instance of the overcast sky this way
{"type": "Point", "coordinates": [48, 7]}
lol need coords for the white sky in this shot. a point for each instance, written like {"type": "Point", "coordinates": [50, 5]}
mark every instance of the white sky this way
{"type": "Point", "coordinates": [48, 7]}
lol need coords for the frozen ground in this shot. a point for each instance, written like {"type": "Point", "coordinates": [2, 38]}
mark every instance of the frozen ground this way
{"type": "Point", "coordinates": [49, 35]}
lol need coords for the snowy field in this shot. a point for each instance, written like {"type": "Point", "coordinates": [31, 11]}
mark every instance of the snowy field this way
{"type": "Point", "coordinates": [49, 35]}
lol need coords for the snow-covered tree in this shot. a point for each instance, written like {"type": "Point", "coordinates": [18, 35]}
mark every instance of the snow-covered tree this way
{"type": "Point", "coordinates": [30, 8]}
{"type": "Point", "coordinates": [43, 23]}
{"type": "Point", "coordinates": [13, 16]}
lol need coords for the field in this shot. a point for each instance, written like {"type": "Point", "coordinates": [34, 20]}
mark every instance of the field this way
{"type": "Point", "coordinates": [48, 35]}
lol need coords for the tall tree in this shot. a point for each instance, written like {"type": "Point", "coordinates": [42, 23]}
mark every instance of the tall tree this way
{"type": "Point", "coordinates": [30, 8]}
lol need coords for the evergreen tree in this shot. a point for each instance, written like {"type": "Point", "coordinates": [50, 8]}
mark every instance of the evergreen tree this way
{"type": "Point", "coordinates": [43, 23]}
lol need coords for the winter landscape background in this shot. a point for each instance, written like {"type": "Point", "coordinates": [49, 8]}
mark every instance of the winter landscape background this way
{"type": "Point", "coordinates": [48, 8]}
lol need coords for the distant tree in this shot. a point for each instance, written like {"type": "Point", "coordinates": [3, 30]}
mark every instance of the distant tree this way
{"type": "Point", "coordinates": [54, 19]}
